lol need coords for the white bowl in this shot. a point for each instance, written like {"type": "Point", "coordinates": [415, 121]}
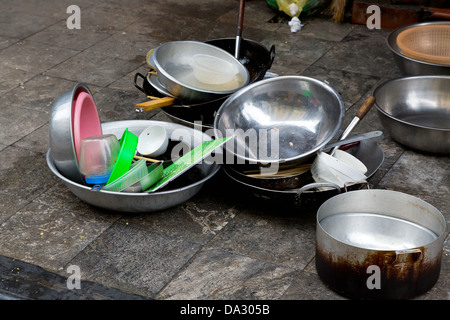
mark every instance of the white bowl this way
{"type": "Point", "coordinates": [331, 169]}
{"type": "Point", "coordinates": [214, 70]}
{"type": "Point", "coordinates": [350, 160]}
{"type": "Point", "coordinates": [153, 141]}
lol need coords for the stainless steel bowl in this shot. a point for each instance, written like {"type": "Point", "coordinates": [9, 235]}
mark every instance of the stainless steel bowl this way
{"type": "Point", "coordinates": [280, 120]}
{"type": "Point", "coordinates": [416, 111]}
{"type": "Point", "coordinates": [172, 61]}
{"type": "Point", "coordinates": [60, 134]}
{"type": "Point", "coordinates": [413, 67]}
{"type": "Point", "coordinates": [144, 202]}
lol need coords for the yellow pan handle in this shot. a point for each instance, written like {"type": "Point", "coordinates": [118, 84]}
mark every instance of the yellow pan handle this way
{"type": "Point", "coordinates": [156, 103]}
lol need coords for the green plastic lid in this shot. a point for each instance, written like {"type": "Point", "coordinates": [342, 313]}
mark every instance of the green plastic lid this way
{"type": "Point", "coordinates": [128, 144]}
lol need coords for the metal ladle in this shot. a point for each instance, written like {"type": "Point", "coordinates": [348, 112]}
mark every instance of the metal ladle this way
{"type": "Point", "coordinates": [239, 29]}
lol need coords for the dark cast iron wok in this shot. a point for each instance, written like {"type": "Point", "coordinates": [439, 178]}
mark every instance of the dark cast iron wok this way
{"type": "Point", "coordinates": [367, 151]}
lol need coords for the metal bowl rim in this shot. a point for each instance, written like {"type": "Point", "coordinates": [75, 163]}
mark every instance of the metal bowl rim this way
{"type": "Point", "coordinates": [171, 78]}
{"type": "Point", "coordinates": [393, 37]}
{"type": "Point", "coordinates": [218, 133]}
{"type": "Point", "coordinates": [387, 82]}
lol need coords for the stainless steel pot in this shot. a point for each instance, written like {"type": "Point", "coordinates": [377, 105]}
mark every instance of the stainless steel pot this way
{"type": "Point", "coordinates": [175, 193]}
{"type": "Point", "coordinates": [379, 244]}
{"type": "Point", "coordinates": [413, 67]}
{"type": "Point", "coordinates": [172, 61]}
{"type": "Point", "coordinates": [415, 111]}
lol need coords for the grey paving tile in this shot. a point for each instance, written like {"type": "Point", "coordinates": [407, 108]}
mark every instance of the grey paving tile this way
{"type": "Point", "coordinates": [198, 219]}
{"type": "Point", "coordinates": [77, 39]}
{"type": "Point", "coordinates": [362, 51]}
{"type": "Point", "coordinates": [17, 122]}
{"type": "Point", "coordinates": [37, 141]}
{"type": "Point", "coordinates": [10, 205]}
{"type": "Point", "coordinates": [281, 240]}
{"type": "Point", "coordinates": [98, 70]}
{"type": "Point", "coordinates": [16, 21]}
{"type": "Point", "coordinates": [135, 260]}
{"type": "Point", "coordinates": [295, 51]}
{"type": "Point", "coordinates": [219, 275]}
{"type": "Point", "coordinates": [38, 93]}
{"type": "Point", "coordinates": [24, 173]}
{"type": "Point", "coordinates": [325, 29]}
{"type": "Point", "coordinates": [59, 234]}
{"type": "Point", "coordinates": [7, 41]}
{"type": "Point", "coordinates": [125, 45]}
{"type": "Point", "coordinates": [308, 286]}
{"type": "Point", "coordinates": [126, 83]}
{"type": "Point", "coordinates": [419, 175]}
{"type": "Point", "coordinates": [26, 59]}
{"type": "Point", "coordinates": [351, 86]}
{"type": "Point", "coordinates": [116, 104]}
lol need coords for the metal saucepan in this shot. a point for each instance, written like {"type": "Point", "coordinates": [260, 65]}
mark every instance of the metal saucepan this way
{"type": "Point", "coordinates": [176, 192]}
{"type": "Point", "coordinates": [282, 120]}
{"type": "Point", "coordinates": [379, 244]}
{"type": "Point", "coordinates": [413, 67]}
{"type": "Point", "coordinates": [415, 111]}
{"type": "Point", "coordinates": [306, 194]}
{"type": "Point", "coordinates": [173, 60]}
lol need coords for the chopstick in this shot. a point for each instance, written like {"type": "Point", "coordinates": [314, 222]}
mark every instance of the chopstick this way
{"type": "Point", "coordinates": [147, 159]}
{"type": "Point", "coordinates": [282, 173]}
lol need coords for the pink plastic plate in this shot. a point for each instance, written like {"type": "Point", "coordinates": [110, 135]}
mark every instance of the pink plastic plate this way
{"type": "Point", "coordinates": [86, 122]}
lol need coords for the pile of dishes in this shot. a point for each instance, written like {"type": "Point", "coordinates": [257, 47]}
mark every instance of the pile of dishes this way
{"type": "Point", "coordinates": [89, 156]}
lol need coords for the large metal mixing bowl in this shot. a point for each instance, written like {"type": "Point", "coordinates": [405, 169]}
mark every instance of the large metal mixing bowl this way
{"type": "Point", "coordinates": [175, 193]}
{"type": "Point", "coordinates": [413, 67]}
{"type": "Point", "coordinates": [61, 133]}
{"type": "Point", "coordinates": [280, 120]}
{"type": "Point", "coordinates": [416, 111]}
{"type": "Point", "coordinates": [173, 63]}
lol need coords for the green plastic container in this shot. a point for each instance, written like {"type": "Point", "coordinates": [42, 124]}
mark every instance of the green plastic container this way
{"type": "Point", "coordinates": [128, 145]}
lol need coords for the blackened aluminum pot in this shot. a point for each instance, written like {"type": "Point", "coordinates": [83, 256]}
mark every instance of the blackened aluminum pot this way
{"type": "Point", "coordinates": [379, 244]}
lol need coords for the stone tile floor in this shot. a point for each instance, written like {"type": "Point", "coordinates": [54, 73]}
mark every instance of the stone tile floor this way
{"type": "Point", "coordinates": [220, 244]}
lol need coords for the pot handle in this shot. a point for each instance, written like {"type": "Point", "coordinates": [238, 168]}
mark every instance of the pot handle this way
{"type": "Point", "coordinates": [404, 256]}
{"type": "Point", "coordinates": [314, 185]}
{"type": "Point", "coordinates": [135, 81]}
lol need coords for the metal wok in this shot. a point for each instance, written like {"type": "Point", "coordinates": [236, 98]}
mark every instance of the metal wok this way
{"type": "Point", "coordinates": [367, 151]}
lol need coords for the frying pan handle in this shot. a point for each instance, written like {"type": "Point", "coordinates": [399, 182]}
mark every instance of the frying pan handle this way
{"type": "Point", "coordinates": [135, 81]}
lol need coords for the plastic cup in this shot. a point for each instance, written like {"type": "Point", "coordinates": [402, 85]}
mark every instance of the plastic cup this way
{"type": "Point", "coordinates": [98, 155]}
